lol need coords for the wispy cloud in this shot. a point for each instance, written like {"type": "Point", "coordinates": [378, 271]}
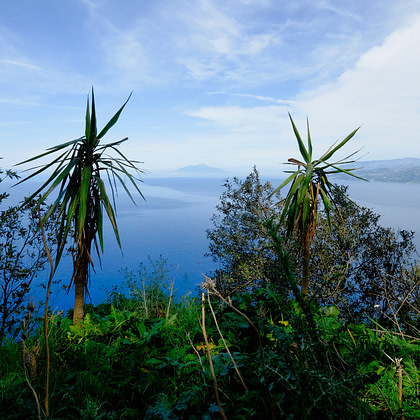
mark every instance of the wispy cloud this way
{"type": "Point", "coordinates": [256, 97]}
{"type": "Point", "coordinates": [220, 74]}
{"type": "Point", "coordinates": [218, 44]}
{"type": "Point", "coordinates": [27, 75]}
{"type": "Point", "coordinates": [187, 40]}
{"type": "Point", "coordinates": [378, 92]}
{"type": "Point", "coordinates": [241, 42]}
{"type": "Point", "coordinates": [339, 11]}
{"type": "Point", "coordinates": [239, 119]}
{"type": "Point", "coordinates": [18, 63]}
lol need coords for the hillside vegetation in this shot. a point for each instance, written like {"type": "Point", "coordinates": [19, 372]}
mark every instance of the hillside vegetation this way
{"type": "Point", "coordinates": [311, 314]}
{"type": "Point", "coordinates": [249, 345]}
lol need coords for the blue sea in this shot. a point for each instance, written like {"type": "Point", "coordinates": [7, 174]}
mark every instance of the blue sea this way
{"type": "Point", "coordinates": [172, 223]}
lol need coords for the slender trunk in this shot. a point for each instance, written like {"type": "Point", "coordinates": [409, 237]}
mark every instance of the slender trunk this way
{"type": "Point", "coordinates": [80, 282]}
{"type": "Point", "coordinates": [47, 297]}
{"type": "Point", "coordinates": [306, 258]}
{"type": "Point", "coordinates": [79, 298]}
{"type": "Point", "coordinates": [81, 272]}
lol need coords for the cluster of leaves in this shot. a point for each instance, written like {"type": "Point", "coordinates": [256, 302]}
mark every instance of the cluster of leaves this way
{"type": "Point", "coordinates": [22, 256]}
{"type": "Point", "coordinates": [364, 267]}
{"type": "Point", "coordinates": [274, 354]}
{"type": "Point", "coordinates": [239, 241]}
{"type": "Point", "coordinates": [292, 361]}
{"type": "Point", "coordinates": [356, 265]}
{"type": "Point", "coordinates": [81, 175]}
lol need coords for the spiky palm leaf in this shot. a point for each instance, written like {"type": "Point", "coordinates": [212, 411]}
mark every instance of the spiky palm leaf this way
{"type": "Point", "coordinates": [309, 182]}
{"type": "Point", "coordinates": [78, 178]}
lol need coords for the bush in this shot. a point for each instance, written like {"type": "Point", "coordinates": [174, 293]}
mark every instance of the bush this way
{"type": "Point", "coordinates": [271, 359]}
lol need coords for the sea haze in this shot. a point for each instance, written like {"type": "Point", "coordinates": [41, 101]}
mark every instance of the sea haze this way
{"type": "Point", "coordinates": [172, 222]}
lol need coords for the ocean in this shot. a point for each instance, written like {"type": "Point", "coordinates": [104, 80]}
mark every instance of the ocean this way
{"type": "Point", "coordinates": [172, 223]}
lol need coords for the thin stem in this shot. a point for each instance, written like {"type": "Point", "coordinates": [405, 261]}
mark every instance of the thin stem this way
{"type": "Point", "coordinates": [209, 285]}
{"type": "Point", "coordinates": [38, 405]}
{"type": "Point", "coordinates": [306, 258]}
{"type": "Point", "coordinates": [47, 346]}
{"type": "Point", "coordinates": [196, 351]}
{"type": "Point", "coordinates": [203, 327]}
{"type": "Point", "coordinates": [400, 380]}
{"type": "Point", "coordinates": [407, 296]}
{"type": "Point", "coordinates": [392, 310]}
{"type": "Point", "coordinates": [224, 342]}
{"type": "Point", "coordinates": [170, 295]}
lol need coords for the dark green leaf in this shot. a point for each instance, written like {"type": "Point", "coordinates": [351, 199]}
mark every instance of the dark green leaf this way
{"type": "Point", "coordinates": [302, 147]}
{"type": "Point", "coordinates": [114, 119]}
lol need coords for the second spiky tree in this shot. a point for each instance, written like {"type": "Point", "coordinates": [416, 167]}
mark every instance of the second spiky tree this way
{"type": "Point", "coordinates": [309, 182]}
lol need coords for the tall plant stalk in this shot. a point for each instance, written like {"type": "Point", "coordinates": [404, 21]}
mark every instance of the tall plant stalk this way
{"type": "Point", "coordinates": [310, 184]}
{"type": "Point", "coordinates": [78, 177]}
{"type": "Point", "coordinates": [213, 375]}
{"type": "Point", "coordinates": [224, 342]}
{"type": "Point", "coordinates": [28, 317]}
{"type": "Point", "coordinates": [210, 285]}
{"type": "Point", "coordinates": [45, 324]}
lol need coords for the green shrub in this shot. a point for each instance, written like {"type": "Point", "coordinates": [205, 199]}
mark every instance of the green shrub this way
{"type": "Point", "coordinates": [293, 359]}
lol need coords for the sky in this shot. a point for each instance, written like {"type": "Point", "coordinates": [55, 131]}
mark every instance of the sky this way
{"type": "Point", "coordinates": [213, 81]}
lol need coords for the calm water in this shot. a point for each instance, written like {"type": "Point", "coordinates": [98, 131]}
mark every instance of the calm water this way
{"type": "Point", "coordinates": [173, 220]}
{"type": "Point", "coordinates": [171, 223]}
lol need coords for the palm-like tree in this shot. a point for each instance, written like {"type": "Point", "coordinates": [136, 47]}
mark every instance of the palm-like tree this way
{"type": "Point", "coordinates": [309, 182]}
{"type": "Point", "coordinates": [81, 174]}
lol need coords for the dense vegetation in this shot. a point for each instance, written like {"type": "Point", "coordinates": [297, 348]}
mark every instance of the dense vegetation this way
{"type": "Point", "coordinates": [292, 360]}
{"type": "Point", "coordinates": [312, 314]}
{"type": "Point", "coordinates": [273, 353]}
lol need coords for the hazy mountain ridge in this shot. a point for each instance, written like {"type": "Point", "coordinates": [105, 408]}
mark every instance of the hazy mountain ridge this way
{"type": "Point", "coordinates": [408, 162]}
{"type": "Point", "coordinates": [200, 169]}
{"type": "Point", "coordinates": [405, 170]}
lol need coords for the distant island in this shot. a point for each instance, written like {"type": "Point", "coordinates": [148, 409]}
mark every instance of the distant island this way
{"type": "Point", "coordinates": [200, 169]}
{"type": "Point", "coordinates": [405, 170]}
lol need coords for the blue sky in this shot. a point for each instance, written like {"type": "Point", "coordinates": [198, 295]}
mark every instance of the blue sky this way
{"type": "Point", "coordinates": [212, 80]}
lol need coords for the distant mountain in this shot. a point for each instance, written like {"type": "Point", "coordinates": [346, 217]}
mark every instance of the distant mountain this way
{"type": "Point", "coordinates": [405, 163]}
{"type": "Point", "coordinates": [405, 170]}
{"type": "Point", "coordinates": [200, 169]}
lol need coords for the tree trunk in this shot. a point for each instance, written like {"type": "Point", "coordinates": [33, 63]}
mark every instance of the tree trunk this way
{"type": "Point", "coordinates": [81, 270]}
{"type": "Point", "coordinates": [79, 298]}
{"type": "Point", "coordinates": [306, 258]}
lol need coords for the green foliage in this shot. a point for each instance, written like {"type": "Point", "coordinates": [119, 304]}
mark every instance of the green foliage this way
{"type": "Point", "coordinates": [150, 287]}
{"type": "Point", "coordinates": [354, 265]}
{"type": "Point", "coordinates": [119, 363]}
{"type": "Point", "coordinates": [309, 182]}
{"type": "Point", "coordinates": [363, 267]}
{"type": "Point", "coordinates": [273, 352]}
{"type": "Point", "coordinates": [22, 257]}
{"type": "Point", "coordinates": [79, 174]}
{"type": "Point", "coordinates": [238, 241]}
